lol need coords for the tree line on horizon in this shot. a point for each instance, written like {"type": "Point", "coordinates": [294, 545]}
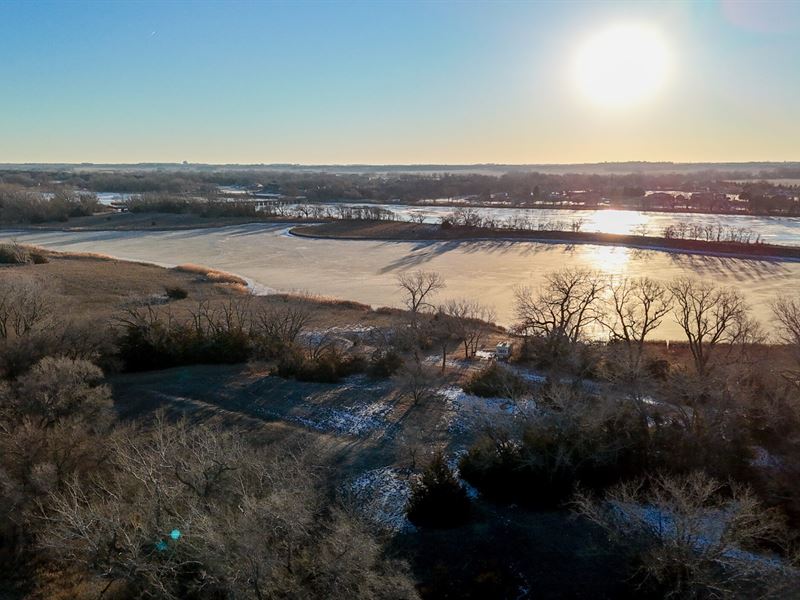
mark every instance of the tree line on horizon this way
{"type": "Point", "coordinates": [521, 188]}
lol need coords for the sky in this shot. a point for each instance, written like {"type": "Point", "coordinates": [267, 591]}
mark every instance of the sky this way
{"type": "Point", "coordinates": [395, 82]}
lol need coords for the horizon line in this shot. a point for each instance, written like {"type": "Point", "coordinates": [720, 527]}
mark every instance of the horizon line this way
{"type": "Point", "coordinates": [396, 165]}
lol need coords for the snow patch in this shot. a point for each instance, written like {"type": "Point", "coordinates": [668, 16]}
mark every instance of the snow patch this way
{"type": "Point", "coordinates": [357, 419]}
{"type": "Point", "coordinates": [764, 459]}
{"type": "Point", "coordinates": [708, 530]}
{"type": "Point", "coordinates": [465, 412]}
{"type": "Point", "coordinates": [382, 495]}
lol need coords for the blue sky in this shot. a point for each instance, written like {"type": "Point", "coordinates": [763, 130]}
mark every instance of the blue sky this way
{"type": "Point", "coordinates": [386, 82]}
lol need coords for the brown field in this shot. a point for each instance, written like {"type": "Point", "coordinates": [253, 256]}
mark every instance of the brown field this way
{"type": "Point", "coordinates": [101, 287]}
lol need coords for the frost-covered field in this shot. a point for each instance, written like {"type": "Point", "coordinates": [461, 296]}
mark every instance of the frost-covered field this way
{"type": "Point", "coordinates": [356, 419]}
{"type": "Point", "coordinates": [465, 412]}
{"type": "Point", "coordinates": [359, 408]}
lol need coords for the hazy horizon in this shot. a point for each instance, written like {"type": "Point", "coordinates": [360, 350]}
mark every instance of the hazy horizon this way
{"type": "Point", "coordinates": [432, 165]}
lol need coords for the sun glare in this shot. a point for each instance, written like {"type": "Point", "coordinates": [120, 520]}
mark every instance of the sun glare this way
{"type": "Point", "coordinates": [622, 65]}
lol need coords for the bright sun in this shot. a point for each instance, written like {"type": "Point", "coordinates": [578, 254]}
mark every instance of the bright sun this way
{"type": "Point", "coordinates": [622, 65]}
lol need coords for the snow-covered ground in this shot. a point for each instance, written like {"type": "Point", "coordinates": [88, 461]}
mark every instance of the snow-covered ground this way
{"type": "Point", "coordinates": [349, 332]}
{"type": "Point", "coordinates": [709, 530]}
{"type": "Point", "coordinates": [356, 419]}
{"type": "Point", "coordinates": [382, 494]}
{"type": "Point", "coordinates": [465, 412]}
{"type": "Point", "coordinates": [764, 459]}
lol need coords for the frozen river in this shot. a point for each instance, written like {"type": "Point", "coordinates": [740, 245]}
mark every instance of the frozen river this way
{"type": "Point", "coordinates": [365, 270]}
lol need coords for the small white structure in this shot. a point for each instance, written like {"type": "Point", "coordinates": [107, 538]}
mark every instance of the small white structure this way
{"type": "Point", "coordinates": [503, 350]}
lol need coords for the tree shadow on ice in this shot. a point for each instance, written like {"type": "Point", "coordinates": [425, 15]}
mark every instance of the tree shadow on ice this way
{"type": "Point", "coordinates": [423, 252]}
{"type": "Point", "coordinates": [740, 269]}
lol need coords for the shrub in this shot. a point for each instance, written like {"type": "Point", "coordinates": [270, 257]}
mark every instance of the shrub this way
{"type": "Point", "coordinates": [496, 381]}
{"type": "Point", "coordinates": [583, 442]}
{"type": "Point", "coordinates": [14, 254]}
{"type": "Point", "coordinates": [75, 340]}
{"type": "Point", "coordinates": [157, 346]}
{"type": "Point", "coordinates": [176, 292]}
{"type": "Point", "coordinates": [191, 511]}
{"type": "Point", "coordinates": [437, 498]}
{"type": "Point", "coordinates": [154, 340]}
{"type": "Point", "coordinates": [385, 364]}
{"type": "Point", "coordinates": [493, 465]}
{"type": "Point", "coordinates": [330, 367]}
{"type": "Point", "coordinates": [657, 368]}
{"type": "Point", "coordinates": [692, 537]}
{"type": "Point", "coordinates": [56, 389]}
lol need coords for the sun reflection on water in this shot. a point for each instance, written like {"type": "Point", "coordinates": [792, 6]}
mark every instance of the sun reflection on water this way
{"type": "Point", "coordinates": [610, 260]}
{"type": "Point", "coordinates": [623, 222]}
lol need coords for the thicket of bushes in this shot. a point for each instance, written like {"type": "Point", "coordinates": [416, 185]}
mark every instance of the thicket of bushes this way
{"type": "Point", "coordinates": [188, 204]}
{"type": "Point", "coordinates": [15, 254]}
{"type": "Point", "coordinates": [20, 205]}
{"type": "Point", "coordinates": [496, 381]}
{"type": "Point", "coordinates": [154, 340]}
{"type": "Point", "coordinates": [166, 510]}
{"type": "Point", "coordinates": [576, 441]}
{"type": "Point", "coordinates": [327, 366]}
{"type": "Point", "coordinates": [235, 332]}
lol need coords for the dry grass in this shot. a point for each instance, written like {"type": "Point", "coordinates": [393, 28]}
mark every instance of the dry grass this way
{"type": "Point", "coordinates": [96, 287]}
{"type": "Point", "coordinates": [100, 288]}
{"type": "Point", "coordinates": [210, 274]}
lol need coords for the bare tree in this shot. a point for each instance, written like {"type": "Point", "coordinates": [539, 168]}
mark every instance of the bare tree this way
{"type": "Point", "coordinates": [282, 322]}
{"type": "Point", "coordinates": [232, 317]}
{"type": "Point", "coordinates": [278, 326]}
{"type": "Point", "coordinates": [636, 308]}
{"type": "Point", "coordinates": [564, 308]}
{"type": "Point", "coordinates": [787, 314]}
{"type": "Point", "coordinates": [416, 380]}
{"type": "Point", "coordinates": [691, 533]}
{"type": "Point", "coordinates": [709, 316]}
{"type": "Point", "coordinates": [56, 389]}
{"type": "Point", "coordinates": [418, 287]}
{"type": "Point", "coordinates": [25, 305]}
{"type": "Point", "coordinates": [442, 331]}
{"type": "Point", "coordinates": [469, 319]}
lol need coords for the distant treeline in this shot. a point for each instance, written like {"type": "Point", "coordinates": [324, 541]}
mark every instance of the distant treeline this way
{"type": "Point", "coordinates": [702, 191]}
{"type": "Point", "coordinates": [214, 207]}
{"type": "Point", "coordinates": [20, 205]}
